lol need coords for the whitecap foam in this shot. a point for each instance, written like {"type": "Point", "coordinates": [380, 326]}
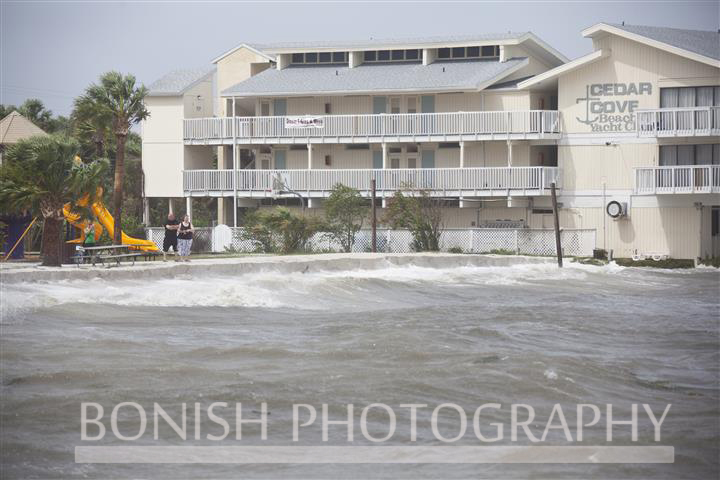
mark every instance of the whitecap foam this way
{"type": "Point", "coordinates": [314, 290]}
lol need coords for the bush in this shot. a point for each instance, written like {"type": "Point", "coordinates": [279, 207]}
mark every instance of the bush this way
{"type": "Point", "coordinates": [711, 262]}
{"type": "Point", "coordinates": [502, 251]}
{"type": "Point", "coordinates": [455, 250]}
{"type": "Point", "coordinates": [345, 211]}
{"type": "Point", "coordinates": [420, 213]}
{"type": "Point", "coordinates": [279, 230]}
{"type": "Point", "coordinates": [669, 263]}
{"type": "Point", "coordinates": [132, 225]}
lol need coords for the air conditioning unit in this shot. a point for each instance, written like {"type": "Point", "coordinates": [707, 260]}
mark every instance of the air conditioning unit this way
{"type": "Point", "coordinates": [617, 209]}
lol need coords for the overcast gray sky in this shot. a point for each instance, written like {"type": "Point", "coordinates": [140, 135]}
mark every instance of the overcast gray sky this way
{"type": "Point", "coordinates": [53, 50]}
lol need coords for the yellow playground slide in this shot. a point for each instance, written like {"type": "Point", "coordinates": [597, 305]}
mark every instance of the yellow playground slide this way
{"type": "Point", "coordinates": [105, 219]}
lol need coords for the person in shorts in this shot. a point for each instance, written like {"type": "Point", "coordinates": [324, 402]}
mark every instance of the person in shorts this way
{"type": "Point", "coordinates": [170, 240]}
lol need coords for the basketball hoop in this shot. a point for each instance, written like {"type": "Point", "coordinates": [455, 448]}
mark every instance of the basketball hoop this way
{"type": "Point", "coordinates": [277, 186]}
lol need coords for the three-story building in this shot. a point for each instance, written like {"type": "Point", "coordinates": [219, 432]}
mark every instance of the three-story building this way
{"type": "Point", "coordinates": [487, 122]}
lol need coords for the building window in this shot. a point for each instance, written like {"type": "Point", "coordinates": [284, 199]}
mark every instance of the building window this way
{"type": "Point", "coordinates": [456, 53]}
{"type": "Point", "coordinates": [679, 97]}
{"type": "Point", "coordinates": [357, 146]}
{"type": "Point", "coordinates": [392, 56]}
{"type": "Point", "coordinates": [707, 154]}
{"type": "Point", "coordinates": [490, 51]}
{"type": "Point", "coordinates": [449, 145]}
{"type": "Point", "coordinates": [319, 57]}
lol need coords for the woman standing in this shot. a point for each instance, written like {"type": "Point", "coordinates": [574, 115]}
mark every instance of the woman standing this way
{"type": "Point", "coordinates": [185, 238]}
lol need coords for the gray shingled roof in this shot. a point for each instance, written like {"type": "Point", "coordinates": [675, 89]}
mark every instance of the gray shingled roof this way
{"type": "Point", "coordinates": [177, 81]}
{"type": "Point", "coordinates": [391, 77]}
{"type": "Point", "coordinates": [697, 41]}
{"type": "Point", "coordinates": [372, 42]}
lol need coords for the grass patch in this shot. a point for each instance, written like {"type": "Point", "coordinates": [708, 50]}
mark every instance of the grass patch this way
{"type": "Point", "coordinates": [711, 262]}
{"type": "Point", "coordinates": [669, 263]}
{"type": "Point", "coordinates": [589, 261]}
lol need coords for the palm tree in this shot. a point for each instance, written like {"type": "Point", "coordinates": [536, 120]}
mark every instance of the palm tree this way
{"type": "Point", "coordinates": [41, 174]}
{"type": "Point", "coordinates": [118, 100]}
{"type": "Point", "coordinates": [93, 127]}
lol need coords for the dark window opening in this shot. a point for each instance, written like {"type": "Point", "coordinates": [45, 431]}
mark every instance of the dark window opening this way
{"type": "Point", "coordinates": [443, 53]}
{"type": "Point", "coordinates": [473, 52]}
{"type": "Point", "coordinates": [298, 58]}
{"type": "Point", "coordinates": [311, 58]}
{"type": "Point", "coordinates": [488, 51]}
{"type": "Point", "coordinates": [458, 52]}
{"type": "Point", "coordinates": [325, 57]}
{"type": "Point", "coordinates": [370, 56]}
{"type": "Point", "coordinates": [383, 55]}
{"type": "Point", "coordinates": [412, 54]}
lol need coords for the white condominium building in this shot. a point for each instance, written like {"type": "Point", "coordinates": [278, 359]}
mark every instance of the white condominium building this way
{"type": "Point", "coordinates": [630, 133]}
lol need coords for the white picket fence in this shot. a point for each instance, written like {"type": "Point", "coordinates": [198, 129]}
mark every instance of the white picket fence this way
{"type": "Point", "coordinates": [521, 241]}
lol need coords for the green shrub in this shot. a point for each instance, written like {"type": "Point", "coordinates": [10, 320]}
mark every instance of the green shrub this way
{"type": "Point", "coordinates": [455, 250]}
{"type": "Point", "coordinates": [711, 262]}
{"type": "Point", "coordinates": [502, 251]}
{"type": "Point", "coordinates": [417, 211]}
{"type": "Point", "coordinates": [669, 263]}
{"type": "Point", "coordinates": [345, 211]}
{"type": "Point", "coordinates": [279, 230]}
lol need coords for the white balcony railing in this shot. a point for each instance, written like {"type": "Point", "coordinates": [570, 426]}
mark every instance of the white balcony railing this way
{"type": "Point", "coordinates": [677, 179]}
{"type": "Point", "coordinates": [671, 122]}
{"type": "Point", "coordinates": [318, 183]}
{"type": "Point", "coordinates": [458, 124]}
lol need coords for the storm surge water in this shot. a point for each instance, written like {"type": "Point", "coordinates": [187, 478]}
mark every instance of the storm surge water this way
{"type": "Point", "coordinates": [469, 335]}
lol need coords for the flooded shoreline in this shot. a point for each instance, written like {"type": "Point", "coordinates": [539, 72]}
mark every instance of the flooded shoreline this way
{"type": "Point", "coordinates": [465, 334]}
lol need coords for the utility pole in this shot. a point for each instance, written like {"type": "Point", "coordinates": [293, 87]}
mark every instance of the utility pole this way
{"type": "Point", "coordinates": [558, 246]}
{"type": "Point", "coordinates": [374, 216]}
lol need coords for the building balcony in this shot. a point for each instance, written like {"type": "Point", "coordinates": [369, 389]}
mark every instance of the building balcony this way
{"type": "Point", "coordinates": [678, 122]}
{"type": "Point", "coordinates": [408, 127]}
{"type": "Point", "coordinates": [677, 179]}
{"type": "Point", "coordinates": [441, 182]}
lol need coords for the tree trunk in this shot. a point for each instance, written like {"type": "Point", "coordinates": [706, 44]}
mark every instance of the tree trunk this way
{"type": "Point", "coordinates": [51, 242]}
{"type": "Point", "coordinates": [118, 193]}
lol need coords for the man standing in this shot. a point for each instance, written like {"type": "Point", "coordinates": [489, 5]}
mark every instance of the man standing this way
{"type": "Point", "coordinates": [171, 227]}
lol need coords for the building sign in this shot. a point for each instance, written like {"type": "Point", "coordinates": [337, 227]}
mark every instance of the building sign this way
{"type": "Point", "coordinates": [304, 122]}
{"type": "Point", "coordinates": [610, 107]}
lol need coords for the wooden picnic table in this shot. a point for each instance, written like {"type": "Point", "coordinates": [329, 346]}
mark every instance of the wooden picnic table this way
{"type": "Point", "coordinates": [115, 253]}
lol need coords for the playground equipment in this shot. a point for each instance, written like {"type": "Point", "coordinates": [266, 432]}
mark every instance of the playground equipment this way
{"type": "Point", "coordinates": [105, 219]}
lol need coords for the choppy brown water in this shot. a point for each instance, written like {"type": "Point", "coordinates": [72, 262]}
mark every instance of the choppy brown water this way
{"type": "Point", "coordinates": [527, 334]}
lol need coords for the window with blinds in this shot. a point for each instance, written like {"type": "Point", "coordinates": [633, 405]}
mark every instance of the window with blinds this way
{"type": "Point", "coordinates": [707, 154]}
{"type": "Point", "coordinates": [691, 97]}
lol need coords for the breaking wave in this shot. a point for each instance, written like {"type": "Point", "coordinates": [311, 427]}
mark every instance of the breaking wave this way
{"type": "Point", "coordinates": [387, 287]}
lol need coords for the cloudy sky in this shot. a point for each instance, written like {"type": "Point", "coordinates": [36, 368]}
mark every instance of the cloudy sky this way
{"type": "Point", "coordinates": [53, 49]}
